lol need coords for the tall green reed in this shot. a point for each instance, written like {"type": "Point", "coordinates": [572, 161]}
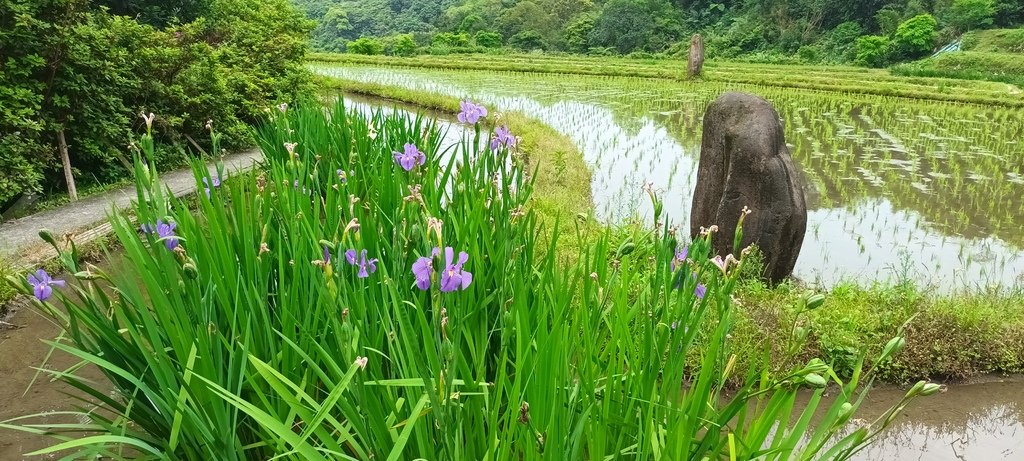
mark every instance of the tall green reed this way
{"type": "Point", "coordinates": [249, 333]}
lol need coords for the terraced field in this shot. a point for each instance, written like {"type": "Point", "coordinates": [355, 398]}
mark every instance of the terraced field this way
{"type": "Point", "coordinates": [899, 188]}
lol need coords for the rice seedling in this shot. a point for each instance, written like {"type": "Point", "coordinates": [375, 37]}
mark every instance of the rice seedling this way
{"type": "Point", "coordinates": [371, 293]}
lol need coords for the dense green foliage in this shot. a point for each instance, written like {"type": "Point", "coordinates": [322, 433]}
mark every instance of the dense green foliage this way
{"type": "Point", "coordinates": [73, 66]}
{"type": "Point", "coordinates": [812, 30]}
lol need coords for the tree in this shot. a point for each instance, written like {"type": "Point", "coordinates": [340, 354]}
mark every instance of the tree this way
{"type": "Point", "coordinates": [528, 40]}
{"type": "Point", "coordinates": [471, 24]}
{"type": "Point", "coordinates": [577, 33]}
{"type": "Point", "coordinates": [872, 51]}
{"type": "Point", "coordinates": [967, 15]}
{"type": "Point", "coordinates": [405, 45]}
{"type": "Point", "coordinates": [366, 45]}
{"type": "Point", "coordinates": [487, 39]}
{"type": "Point", "coordinates": [915, 37]}
{"type": "Point", "coordinates": [332, 31]}
{"type": "Point", "coordinates": [629, 25]}
{"type": "Point", "coordinates": [159, 13]}
{"type": "Point", "coordinates": [1009, 13]}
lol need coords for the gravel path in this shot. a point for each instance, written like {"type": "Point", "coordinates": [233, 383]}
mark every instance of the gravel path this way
{"type": "Point", "coordinates": [19, 239]}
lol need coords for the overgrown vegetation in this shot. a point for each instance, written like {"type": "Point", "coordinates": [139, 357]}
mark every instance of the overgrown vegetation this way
{"type": "Point", "coordinates": [303, 314]}
{"type": "Point", "coordinates": [76, 68]}
{"type": "Point", "coordinates": [809, 31]}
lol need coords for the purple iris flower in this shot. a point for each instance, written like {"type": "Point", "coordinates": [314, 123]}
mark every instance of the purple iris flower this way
{"type": "Point", "coordinates": [216, 183]}
{"type": "Point", "coordinates": [366, 267]}
{"type": "Point", "coordinates": [327, 255]}
{"type": "Point", "coordinates": [410, 157]}
{"type": "Point", "coordinates": [502, 137]}
{"type": "Point", "coordinates": [42, 284]}
{"type": "Point", "coordinates": [164, 231]}
{"type": "Point", "coordinates": [700, 290]}
{"type": "Point", "coordinates": [423, 270]}
{"type": "Point", "coordinates": [471, 113]}
{"type": "Point", "coordinates": [453, 277]}
{"type": "Point", "coordinates": [342, 176]}
{"type": "Point", "coordinates": [679, 257]}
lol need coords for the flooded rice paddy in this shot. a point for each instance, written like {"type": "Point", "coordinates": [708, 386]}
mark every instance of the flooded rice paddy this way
{"type": "Point", "coordinates": [896, 189]}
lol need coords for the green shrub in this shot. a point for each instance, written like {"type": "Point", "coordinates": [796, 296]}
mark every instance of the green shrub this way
{"type": "Point", "coordinates": [872, 51]}
{"type": "Point", "coordinates": [366, 45]}
{"type": "Point", "coordinates": [809, 54]}
{"type": "Point", "coordinates": [914, 37]}
{"type": "Point", "coordinates": [840, 45]}
{"type": "Point", "coordinates": [487, 39]}
{"type": "Point", "coordinates": [451, 40]}
{"type": "Point", "coordinates": [528, 40]}
{"type": "Point", "coordinates": [405, 45]}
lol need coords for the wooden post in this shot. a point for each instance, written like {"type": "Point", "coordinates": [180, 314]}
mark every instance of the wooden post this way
{"type": "Point", "coordinates": [66, 160]}
{"type": "Point", "coordinates": [696, 56]}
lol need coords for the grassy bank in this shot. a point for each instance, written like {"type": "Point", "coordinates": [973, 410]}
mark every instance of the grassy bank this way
{"type": "Point", "coordinates": [970, 65]}
{"type": "Point", "coordinates": [952, 337]}
{"type": "Point", "coordinates": [838, 79]}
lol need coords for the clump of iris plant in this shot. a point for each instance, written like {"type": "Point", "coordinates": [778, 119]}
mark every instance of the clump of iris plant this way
{"type": "Point", "coordinates": [453, 277]}
{"type": "Point", "coordinates": [366, 266]}
{"type": "Point", "coordinates": [502, 137]}
{"type": "Point", "coordinates": [410, 157]}
{"type": "Point", "coordinates": [471, 113]}
{"type": "Point", "coordinates": [164, 231]}
{"type": "Point", "coordinates": [42, 284]}
{"type": "Point", "coordinates": [678, 261]}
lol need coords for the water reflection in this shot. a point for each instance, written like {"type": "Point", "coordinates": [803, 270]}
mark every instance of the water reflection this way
{"type": "Point", "coordinates": [896, 189]}
{"type": "Point", "coordinates": [982, 421]}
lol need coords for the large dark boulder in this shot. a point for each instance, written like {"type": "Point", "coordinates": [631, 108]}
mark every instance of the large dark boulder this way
{"type": "Point", "coordinates": [744, 162]}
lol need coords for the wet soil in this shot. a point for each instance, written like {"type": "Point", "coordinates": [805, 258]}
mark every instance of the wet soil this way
{"type": "Point", "coordinates": [23, 391]}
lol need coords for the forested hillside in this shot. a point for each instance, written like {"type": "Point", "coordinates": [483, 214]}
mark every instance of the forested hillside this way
{"type": "Point", "coordinates": [817, 30]}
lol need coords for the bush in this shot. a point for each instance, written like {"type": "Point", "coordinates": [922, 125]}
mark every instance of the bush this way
{"type": "Point", "coordinates": [487, 39]}
{"type": "Point", "coordinates": [449, 39]}
{"type": "Point", "coordinates": [366, 45]}
{"type": "Point", "coordinates": [872, 51]}
{"type": "Point", "coordinates": [809, 54]}
{"type": "Point", "coordinates": [840, 45]}
{"type": "Point", "coordinates": [528, 40]}
{"type": "Point", "coordinates": [914, 38]}
{"type": "Point", "coordinates": [405, 45]}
